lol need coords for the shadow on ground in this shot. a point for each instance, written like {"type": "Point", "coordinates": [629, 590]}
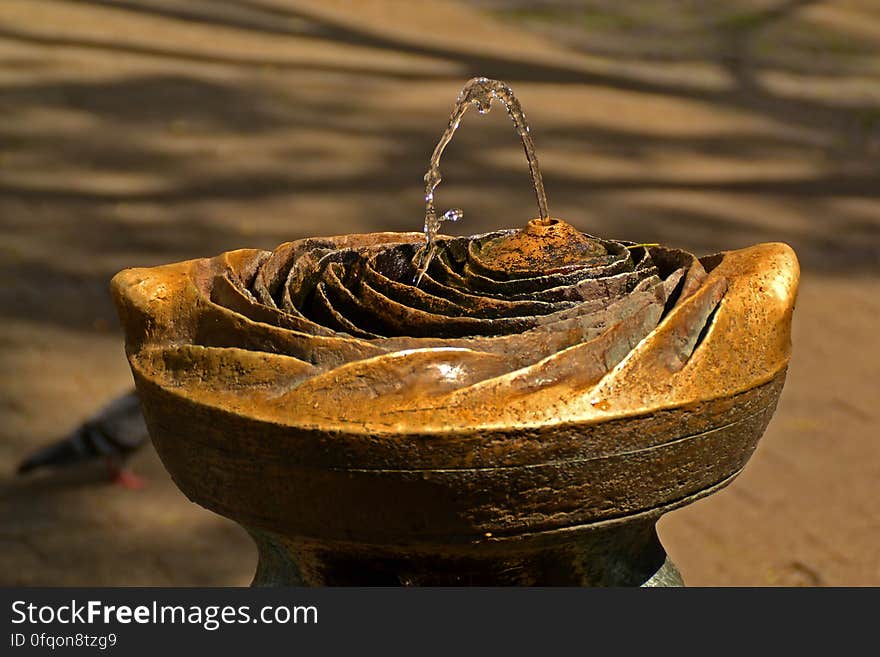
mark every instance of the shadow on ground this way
{"type": "Point", "coordinates": [142, 132]}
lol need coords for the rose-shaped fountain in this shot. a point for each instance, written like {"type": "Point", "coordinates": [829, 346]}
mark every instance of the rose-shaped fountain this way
{"type": "Point", "coordinates": [518, 407]}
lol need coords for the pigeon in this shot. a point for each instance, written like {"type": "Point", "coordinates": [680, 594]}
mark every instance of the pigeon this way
{"type": "Point", "coordinates": [114, 433]}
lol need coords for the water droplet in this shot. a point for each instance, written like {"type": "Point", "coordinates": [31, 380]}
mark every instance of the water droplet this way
{"type": "Point", "coordinates": [452, 215]}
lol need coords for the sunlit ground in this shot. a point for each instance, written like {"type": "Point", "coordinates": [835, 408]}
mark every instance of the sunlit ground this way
{"type": "Point", "coordinates": [138, 132]}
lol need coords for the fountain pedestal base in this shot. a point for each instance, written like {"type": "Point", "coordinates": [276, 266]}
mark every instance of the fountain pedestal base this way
{"type": "Point", "coordinates": [626, 553]}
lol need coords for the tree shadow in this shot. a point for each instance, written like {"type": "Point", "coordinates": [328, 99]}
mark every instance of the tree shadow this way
{"type": "Point", "coordinates": [74, 527]}
{"type": "Point", "coordinates": [153, 165]}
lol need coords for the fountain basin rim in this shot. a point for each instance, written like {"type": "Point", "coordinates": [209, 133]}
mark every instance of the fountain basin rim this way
{"type": "Point", "coordinates": [397, 432]}
{"type": "Point", "coordinates": [165, 308]}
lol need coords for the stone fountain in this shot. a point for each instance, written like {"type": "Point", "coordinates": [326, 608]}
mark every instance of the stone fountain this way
{"type": "Point", "coordinates": [518, 407]}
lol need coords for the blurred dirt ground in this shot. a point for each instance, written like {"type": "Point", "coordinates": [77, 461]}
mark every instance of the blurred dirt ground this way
{"type": "Point", "coordinates": [138, 132]}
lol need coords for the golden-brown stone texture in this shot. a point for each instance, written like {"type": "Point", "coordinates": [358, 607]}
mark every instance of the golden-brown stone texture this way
{"type": "Point", "coordinates": [535, 381]}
